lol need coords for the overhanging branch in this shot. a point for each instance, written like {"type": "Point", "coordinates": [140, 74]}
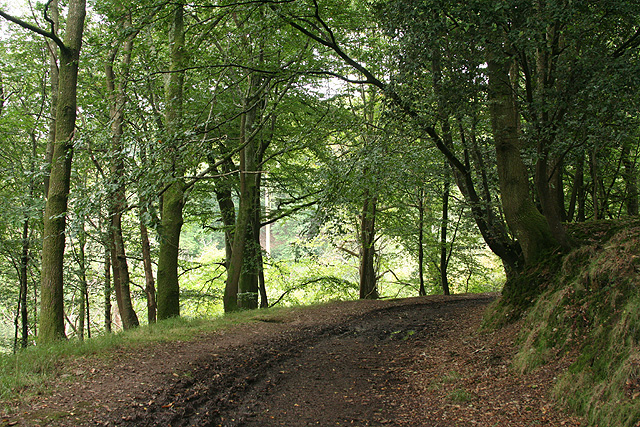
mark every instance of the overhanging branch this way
{"type": "Point", "coordinates": [48, 34]}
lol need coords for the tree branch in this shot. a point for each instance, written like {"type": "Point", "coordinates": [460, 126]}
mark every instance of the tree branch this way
{"type": "Point", "coordinates": [38, 30]}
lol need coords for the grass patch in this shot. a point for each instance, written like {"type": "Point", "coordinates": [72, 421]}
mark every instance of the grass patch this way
{"type": "Point", "coordinates": [460, 396]}
{"type": "Point", "coordinates": [451, 377]}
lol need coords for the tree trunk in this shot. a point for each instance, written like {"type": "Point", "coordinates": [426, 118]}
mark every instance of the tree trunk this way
{"type": "Point", "coordinates": [121, 279]}
{"type": "Point", "coordinates": [630, 180]}
{"type": "Point", "coordinates": [24, 280]}
{"type": "Point", "coordinates": [82, 279]}
{"type": "Point", "coordinates": [422, 291]}
{"type": "Point", "coordinates": [264, 299]}
{"type": "Point", "coordinates": [524, 219]}
{"type": "Point", "coordinates": [54, 73]}
{"type": "Point", "coordinates": [150, 285]}
{"type": "Point", "coordinates": [248, 285]}
{"type": "Point", "coordinates": [490, 225]}
{"type": "Point", "coordinates": [168, 296]}
{"type": "Point", "coordinates": [368, 279]}
{"type": "Point", "coordinates": [117, 98]}
{"type": "Point", "coordinates": [243, 293]}
{"type": "Point", "coordinates": [595, 185]}
{"type": "Point", "coordinates": [107, 290]}
{"type": "Point", "coordinates": [168, 293]}
{"type": "Point", "coordinates": [224, 196]}
{"type": "Point", "coordinates": [52, 294]}
{"type": "Point", "coordinates": [544, 170]}
{"type": "Point", "coordinates": [444, 258]}
{"type": "Point", "coordinates": [548, 196]}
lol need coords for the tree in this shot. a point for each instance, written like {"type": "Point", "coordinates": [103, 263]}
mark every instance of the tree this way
{"type": "Point", "coordinates": [118, 200]}
{"type": "Point", "coordinates": [52, 306]}
{"type": "Point", "coordinates": [173, 194]}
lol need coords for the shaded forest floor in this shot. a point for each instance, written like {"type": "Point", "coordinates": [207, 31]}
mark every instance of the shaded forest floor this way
{"type": "Point", "coordinates": [412, 362]}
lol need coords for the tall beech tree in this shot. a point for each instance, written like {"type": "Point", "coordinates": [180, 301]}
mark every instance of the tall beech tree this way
{"type": "Point", "coordinates": [171, 221]}
{"type": "Point", "coordinates": [116, 92]}
{"type": "Point", "coordinates": [52, 287]}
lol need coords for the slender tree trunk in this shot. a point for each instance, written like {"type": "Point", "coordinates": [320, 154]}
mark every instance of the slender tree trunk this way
{"type": "Point", "coordinates": [524, 219]}
{"type": "Point", "coordinates": [422, 291]}
{"type": "Point", "coordinates": [595, 185]}
{"type": "Point", "coordinates": [224, 196]}
{"type": "Point", "coordinates": [121, 276]}
{"type": "Point", "coordinates": [577, 189]}
{"type": "Point", "coordinates": [25, 258]}
{"type": "Point", "coordinates": [368, 279]}
{"type": "Point", "coordinates": [168, 295]}
{"type": "Point", "coordinates": [557, 180]}
{"type": "Point", "coordinates": [444, 259]}
{"type": "Point", "coordinates": [630, 180]}
{"type": "Point", "coordinates": [577, 202]}
{"type": "Point", "coordinates": [107, 291]}
{"type": "Point", "coordinates": [24, 280]}
{"type": "Point", "coordinates": [52, 294]}
{"type": "Point", "coordinates": [264, 299]}
{"type": "Point", "coordinates": [117, 98]}
{"type": "Point", "coordinates": [88, 313]}
{"type": "Point", "coordinates": [54, 14]}
{"type": "Point", "coordinates": [150, 285]}
{"type": "Point", "coordinates": [82, 279]}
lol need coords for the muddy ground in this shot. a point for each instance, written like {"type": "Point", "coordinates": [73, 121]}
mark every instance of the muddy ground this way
{"type": "Point", "coordinates": [411, 362]}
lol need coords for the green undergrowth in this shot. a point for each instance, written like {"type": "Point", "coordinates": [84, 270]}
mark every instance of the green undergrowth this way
{"type": "Point", "coordinates": [589, 311]}
{"type": "Point", "coordinates": [29, 371]}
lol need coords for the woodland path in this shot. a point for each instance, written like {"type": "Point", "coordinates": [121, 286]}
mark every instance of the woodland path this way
{"type": "Point", "coordinates": [411, 362]}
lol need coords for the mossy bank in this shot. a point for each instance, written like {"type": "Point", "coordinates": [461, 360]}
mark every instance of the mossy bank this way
{"type": "Point", "coordinates": [587, 311]}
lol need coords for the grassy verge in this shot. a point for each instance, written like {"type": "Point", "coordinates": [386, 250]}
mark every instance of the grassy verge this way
{"type": "Point", "coordinates": [29, 371]}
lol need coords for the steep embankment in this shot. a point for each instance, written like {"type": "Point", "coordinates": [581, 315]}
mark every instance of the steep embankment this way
{"type": "Point", "coordinates": [589, 314]}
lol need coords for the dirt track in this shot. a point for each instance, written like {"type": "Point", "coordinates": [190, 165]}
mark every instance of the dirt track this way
{"type": "Point", "coordinates": [417, 362]}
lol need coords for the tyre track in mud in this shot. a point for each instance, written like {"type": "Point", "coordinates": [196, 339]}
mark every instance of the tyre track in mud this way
{"type": "Point", "coordinates": [346, 373]}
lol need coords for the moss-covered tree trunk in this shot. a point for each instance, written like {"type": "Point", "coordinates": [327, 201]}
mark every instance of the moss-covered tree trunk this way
{"type": "Point", "coordinates": [524, 219]}
{"type": "Point", "coordinates": [168, 295]}
{"type": "Point", "coordinates": [241, 289]}
{"type": "Point", "coordinates": [249, 284]}
{"type": "Point", "coordinates": [490, 223]}
{"type": "Point", "coordinates": [52, 285]}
